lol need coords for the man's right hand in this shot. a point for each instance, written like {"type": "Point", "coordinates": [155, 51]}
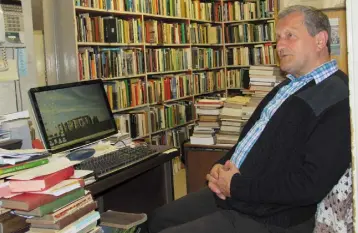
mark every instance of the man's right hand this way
{"type": "Point", "coordinates": [212, 178]}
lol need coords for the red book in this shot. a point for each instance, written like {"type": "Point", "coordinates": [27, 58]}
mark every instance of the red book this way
{"type": "Point", "coordinates": [41, 183]}
{"type": "Point", "coordinates": [5, 189]}
{"type": "Point", "coordinates": [27, 201]}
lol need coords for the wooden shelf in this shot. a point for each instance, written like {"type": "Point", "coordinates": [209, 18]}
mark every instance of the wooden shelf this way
{"type": "Point", "coordinates": [167, 72]}
{"type": "Point", "coordinates": [204, 21]}
{"type": "Point", "coordinates": [167, 45]}
{"type": "Point", "coordinates": [248, 20]}
{"type": "Point", "coordinates": [118, 78]}
{"type": "Point", "coordinates": [124, 77]}
{"type": "Point", "coordinates": [178, 99]}
{"type": "Point", "coordinates": [176, 126]}
{"type": "Point", "coordinates": [130, 108]}
{"type": "Point", "coordinates": [250, 43]}
{"type": "Point", "coordinates": [206, 69]}
{"type": "Point", "coordinates": [164, 17]}
{"type": "Point", "coordinates": [237, 66]}
{"type": "Point", "coordinates": [109, 44]}
{"type": "Point", "coordinates": [207, 45]}
{"type": "Point", "coordinates": [209, 92]}
{"type": "Point", "coordinates": [103, 11]}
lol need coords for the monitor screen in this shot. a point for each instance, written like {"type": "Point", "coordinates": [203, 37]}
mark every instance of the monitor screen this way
{"type": "Point", "coordinates": [72, 115]}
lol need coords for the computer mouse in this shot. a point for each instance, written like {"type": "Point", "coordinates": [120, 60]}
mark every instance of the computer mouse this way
{"type": "Point", "coordinates": [81, 154]}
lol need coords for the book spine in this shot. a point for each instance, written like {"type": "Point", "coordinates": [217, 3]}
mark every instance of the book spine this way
{"type": "Point", "coordinates": [63, 212]}
{"type": "Point", "coordinates": [83, 222]}
{"type": "Point", "coordinates": [68, 219]}
{"type": "Point", "coordinates": [69, 209]}
{"type": "Point", "coordinates": [23, 166]}
{"type": "Point", "coordinates": [50, 207]}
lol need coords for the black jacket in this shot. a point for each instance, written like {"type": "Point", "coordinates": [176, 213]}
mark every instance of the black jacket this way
{"type": "Point", "coordinates": [299, 157]}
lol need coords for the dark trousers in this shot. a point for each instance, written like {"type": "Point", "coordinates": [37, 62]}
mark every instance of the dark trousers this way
{"type": "Point", "coordinates": [198, 213]}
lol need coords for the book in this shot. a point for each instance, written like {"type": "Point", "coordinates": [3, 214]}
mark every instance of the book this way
{"type": "Point", "coordinates": [42, 182]}
{"type": "Point", "coordinates": [55, 203]}
{"type": "Point", "coordinates": [63, 187]}
{"type": "Point", "coordinates": [5, 189]}
{"type": "Point", "coordinates": [32, 158]}
{"type": "Point", "coordinates": [56, 164]}
{"type": "Point", "coordinates": [84, 224]}
{"type": "Point", "coordinates": [64, 222]}
{"type": "Point", "coordinates": [23, 166]}
{"type": "Point", "coordinates": [62, 212]}
{"type": "Point", "coordinates": [12, 223]}
{"type": "Point", "coordinates": [26, 201]}
{"type": "Point", "coordinates": [122, 220]}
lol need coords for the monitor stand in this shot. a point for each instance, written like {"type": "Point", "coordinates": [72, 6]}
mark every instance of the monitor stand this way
{"type": "Point", "coordinates": [81, 154]}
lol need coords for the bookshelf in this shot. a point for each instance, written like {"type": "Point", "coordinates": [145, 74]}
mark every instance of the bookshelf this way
{"type": "Point", "coordinates": [165, 55]}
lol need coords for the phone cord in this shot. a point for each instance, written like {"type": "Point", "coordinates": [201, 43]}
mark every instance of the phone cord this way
{"type": "Point", "coordinates": [3, 50]}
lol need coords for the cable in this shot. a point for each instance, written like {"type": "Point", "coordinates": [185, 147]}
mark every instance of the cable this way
{"type": "Point", "coordinates": [4, 60]}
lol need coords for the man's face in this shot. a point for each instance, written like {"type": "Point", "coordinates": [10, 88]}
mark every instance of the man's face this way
{"type": "Point", "coordinates": [296, 48]}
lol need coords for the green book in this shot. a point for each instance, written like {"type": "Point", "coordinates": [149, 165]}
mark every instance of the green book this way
{"type": "Point", "coordinates": [183, 33]}
{"type": "Point", "coordinates": [52, 206]}
{"type": "Point", "coordinates": [23, 166]}
{"type": "Point", "coordinates": [107, 229]}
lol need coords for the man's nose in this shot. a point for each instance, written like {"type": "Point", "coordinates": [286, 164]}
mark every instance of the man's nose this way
{"type": "Point", "coordinates": [280, 46]}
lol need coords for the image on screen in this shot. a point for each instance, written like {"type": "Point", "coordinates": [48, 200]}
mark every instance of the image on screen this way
{"type": "Point", "coordinates": [74, 114]}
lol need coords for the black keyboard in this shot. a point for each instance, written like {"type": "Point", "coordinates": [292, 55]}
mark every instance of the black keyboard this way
{"type": "Point", "coordinates": [113, 161]}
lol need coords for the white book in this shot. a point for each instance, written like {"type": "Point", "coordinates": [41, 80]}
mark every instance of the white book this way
{"type": "Point", "coordinates": [211, 112]}
{"type": "Point", "coordinates": [202, 141]}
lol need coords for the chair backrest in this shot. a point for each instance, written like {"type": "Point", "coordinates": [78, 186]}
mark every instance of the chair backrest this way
{"type": "Point", "coordinates": [335, 212]}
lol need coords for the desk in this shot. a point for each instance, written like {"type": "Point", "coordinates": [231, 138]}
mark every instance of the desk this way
{"type": "Point", "coordinates": [139, 188]}
{"type": "Point", "coordinates": [199, 159]}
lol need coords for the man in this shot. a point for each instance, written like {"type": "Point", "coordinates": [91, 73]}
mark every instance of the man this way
{"type": "Point", "coordinates": [292, 151]}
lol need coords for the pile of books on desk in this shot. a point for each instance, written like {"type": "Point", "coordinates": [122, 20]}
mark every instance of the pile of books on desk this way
{"type": "Point", "coordinates": [208, 111]}
{"type": "Point", "coordinates": [232, 119]}
{"type": "Point", "coordinates": [262, 80]}
{"type": "Point", "coordinates": [50, 198]}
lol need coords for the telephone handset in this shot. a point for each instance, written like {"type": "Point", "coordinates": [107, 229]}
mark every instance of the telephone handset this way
{"type": "Point", "coordinates": [3, 60]}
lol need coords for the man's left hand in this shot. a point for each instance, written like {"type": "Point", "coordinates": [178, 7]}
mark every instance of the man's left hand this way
{"type": "Point", "coordinates": [225, 175]}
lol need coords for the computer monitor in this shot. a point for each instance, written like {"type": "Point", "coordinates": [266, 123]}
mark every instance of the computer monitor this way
{"type": "Point", "coordinates": [72, 115]}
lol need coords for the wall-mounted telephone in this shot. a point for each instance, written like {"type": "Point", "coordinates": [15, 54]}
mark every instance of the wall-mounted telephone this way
{"type": "Point", "coordinates": [11, 31]}
{"type": "Point", "coordinates": [3, 61]}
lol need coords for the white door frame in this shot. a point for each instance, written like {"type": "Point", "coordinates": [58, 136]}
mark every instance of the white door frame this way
{"type": "Point", "coordinates": [352, 39]}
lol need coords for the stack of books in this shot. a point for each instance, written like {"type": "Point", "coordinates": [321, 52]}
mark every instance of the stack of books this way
{"type": "Point", "coordinates": [13, 162]}
{"type": "Point", "coordinates": [262, 80]}
{"type": "Point", "coordinates": [49, 199]}
{"type": "Point", "coordinates": [233, 117]}
{"type": "Point", "coordinates": [208, 111]}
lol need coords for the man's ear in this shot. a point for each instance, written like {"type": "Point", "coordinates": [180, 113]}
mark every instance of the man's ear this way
{"type": "Point", "coordinates": [321, 40]}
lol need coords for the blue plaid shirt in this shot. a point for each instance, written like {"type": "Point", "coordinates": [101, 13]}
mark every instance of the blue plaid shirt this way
{"type": "Point", "coordinates": [245, 145]}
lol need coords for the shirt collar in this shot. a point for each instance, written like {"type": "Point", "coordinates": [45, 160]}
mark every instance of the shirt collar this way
{"type": "Point", "coordinates": [319, 74]}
